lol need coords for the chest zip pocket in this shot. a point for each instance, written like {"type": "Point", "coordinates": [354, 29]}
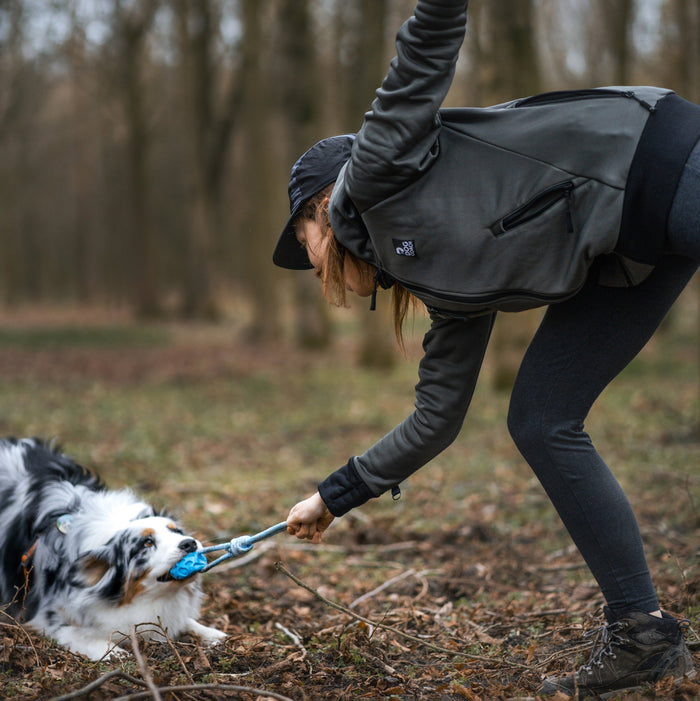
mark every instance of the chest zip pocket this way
{"type": "Point", "coordinates": [537, 206]}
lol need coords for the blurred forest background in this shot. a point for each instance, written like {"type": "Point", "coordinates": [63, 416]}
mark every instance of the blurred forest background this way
{"type": "Point", "coordinates": [145, 145]}
{"type": "Point", "coordinates": [145, 150]}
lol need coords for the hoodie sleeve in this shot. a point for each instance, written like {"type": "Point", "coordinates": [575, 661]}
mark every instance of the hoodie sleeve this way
{"type": "Point", "coordinates": [398, 139]}
{"type": "Point", "coordinates": [454, 350]}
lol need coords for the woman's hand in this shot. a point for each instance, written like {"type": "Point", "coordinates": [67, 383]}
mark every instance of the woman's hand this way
{"type": "Point", "coordinates": [309, 519]}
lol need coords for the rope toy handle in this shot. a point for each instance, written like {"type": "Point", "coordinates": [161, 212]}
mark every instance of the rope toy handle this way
{"type": "Point", "coordinates": [196, 562]}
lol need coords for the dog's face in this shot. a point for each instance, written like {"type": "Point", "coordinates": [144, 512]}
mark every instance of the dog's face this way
{"type": "Point", "coordinates": [134, 560]}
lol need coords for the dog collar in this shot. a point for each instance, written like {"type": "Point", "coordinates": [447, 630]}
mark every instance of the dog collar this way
{"type": "Point", "coordinates": [63, 523]}
{"type": "Point", "coordinates": [27, 557]}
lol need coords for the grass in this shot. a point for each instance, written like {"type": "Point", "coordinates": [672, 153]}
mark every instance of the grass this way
{"type": "Point", "coordinates": [236, 432]}
{"type": "Point", "coordinates": [229, 436]}
{"type": "Point", "coordinates": [83, 337]}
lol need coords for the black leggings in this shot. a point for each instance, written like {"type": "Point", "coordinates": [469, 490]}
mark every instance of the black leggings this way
{"type": "Point", "coordinates": [581, 345]}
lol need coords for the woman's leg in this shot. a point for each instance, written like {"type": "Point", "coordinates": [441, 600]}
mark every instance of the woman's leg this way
{"type": "Point", "coordinates": [684, 218]}
{"type": "Point", "coordinates": [581, 345]}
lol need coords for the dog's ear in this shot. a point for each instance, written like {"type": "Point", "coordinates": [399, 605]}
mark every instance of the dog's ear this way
{"type": "Point", "coordinates": [146, 512]}
{"type": "Point", "coordinates": [90, 568]}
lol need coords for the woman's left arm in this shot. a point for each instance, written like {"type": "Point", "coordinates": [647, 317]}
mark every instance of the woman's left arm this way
{"type": "Point", "coordinates": [454, 351]}
{"type": "Point", "coordinates": [398, 139]}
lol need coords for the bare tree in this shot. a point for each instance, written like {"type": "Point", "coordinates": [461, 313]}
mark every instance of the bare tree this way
{"type": "Point", "coordinates": [212, 96]}
{"type": "Point", "coordinates": [259, 151]}
{"type": "Point", "coordinates": [511, 50]}
{"type": "Point", "coordinates": [22, 81]}
{"type": "Point", "coordinates": [617, 18]}
{"type": "Point", "coordinates": [301, 95]}
{"type": "Point", "coordinates": [131, 23]}
{"type": "Point", "coordinates": [83, 145]}
{"type": "Point", "coordinates": [681, 47]}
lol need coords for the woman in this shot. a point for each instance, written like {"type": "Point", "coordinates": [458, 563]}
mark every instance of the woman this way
{"type": "Point", "coordinates": [587, 202]}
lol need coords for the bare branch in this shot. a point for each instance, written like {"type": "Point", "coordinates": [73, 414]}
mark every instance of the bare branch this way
{"type": "Point", "coordinates": [487, 660]}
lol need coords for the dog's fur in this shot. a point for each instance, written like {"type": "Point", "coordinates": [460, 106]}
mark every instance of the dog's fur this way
{"type": "Point", "coordinates": [108, 570]}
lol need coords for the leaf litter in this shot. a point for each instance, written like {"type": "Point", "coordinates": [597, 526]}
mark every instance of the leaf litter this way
{"type": "Point", "coordinates": [461, 591]}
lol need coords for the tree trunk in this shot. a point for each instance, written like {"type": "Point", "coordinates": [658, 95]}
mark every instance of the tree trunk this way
{"type": "Point", "coordinates": [367, 69]}
{"type": "Point", "coordinates": [300, 97]}
{"type": "Point", "coordinates": [195, 34]}
{"type": "Point", "coordinates": [617, 19]}
{"type": "Point", "coordinates": [132, 28]}
{"type": "Point", "coordinates": [257, 240]}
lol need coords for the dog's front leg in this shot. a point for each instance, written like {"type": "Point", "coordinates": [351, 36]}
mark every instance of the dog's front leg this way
{"type": "Point", "coordinates": [209, 636]}
{"type": "Point", "coordinates": [79, 640]}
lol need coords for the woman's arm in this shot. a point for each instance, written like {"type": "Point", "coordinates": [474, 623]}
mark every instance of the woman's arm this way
{"type": "Point", "coordinates": [454, 351]}
{"type": "Point", "coordinates": [309, 519]}
{"type": "Point", "coordinates": [398, 140]}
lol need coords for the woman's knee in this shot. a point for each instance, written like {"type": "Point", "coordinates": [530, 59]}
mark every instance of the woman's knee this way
{"type": "Point", "coordinates": [524, 423]}
{"type": "Point", "coordinates": [534, 429]}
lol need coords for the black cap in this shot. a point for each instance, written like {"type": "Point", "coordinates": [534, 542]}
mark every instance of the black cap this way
{"type": "Point", "coordinates": [316, 169]}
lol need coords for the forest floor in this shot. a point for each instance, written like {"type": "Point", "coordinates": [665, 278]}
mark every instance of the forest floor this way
{"type": "Point", "coordinates": [467, 587]}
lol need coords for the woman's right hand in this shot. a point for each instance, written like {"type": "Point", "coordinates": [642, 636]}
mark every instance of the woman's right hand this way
{"type": "Point", "coordinates": [309, 519]}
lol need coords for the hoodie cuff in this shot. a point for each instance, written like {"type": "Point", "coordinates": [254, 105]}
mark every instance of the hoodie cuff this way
{"type": "Point", "coordinates": [344, 489]}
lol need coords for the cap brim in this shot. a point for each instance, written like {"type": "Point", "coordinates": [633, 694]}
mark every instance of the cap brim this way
{"type": "Point", "coordinates": [289, 253]}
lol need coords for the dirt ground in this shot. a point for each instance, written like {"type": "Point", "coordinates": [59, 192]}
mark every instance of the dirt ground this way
{"type": "Point", "coordinates": [386, 608]}
{"type": "Point", "coordinates": [465, 614]}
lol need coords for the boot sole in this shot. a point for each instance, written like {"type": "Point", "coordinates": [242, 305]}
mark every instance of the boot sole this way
{"type": "Point", "coordinates": [612, 694]}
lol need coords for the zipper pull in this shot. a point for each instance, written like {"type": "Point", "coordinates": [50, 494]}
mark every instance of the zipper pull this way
{"type": "Point", "coordinates": [373, 301]}
{"type": "Point", "coordinates": [396, 492]}
{"type": "Point", "coordinates": [569, 217]}
{"type": "Point", "coordinates": [643, 103]}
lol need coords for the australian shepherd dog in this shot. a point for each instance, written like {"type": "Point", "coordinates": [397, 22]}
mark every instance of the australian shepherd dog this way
{"type": "Point", "coordinates": [82, 563]}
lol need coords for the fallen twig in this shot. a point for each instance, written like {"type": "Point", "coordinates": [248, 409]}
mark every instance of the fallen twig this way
{"type": "Point", "coordinates": [382, 587]}
{"type": "Point", "coordinates": [488, 660]}
{"type": "Point", "coordinates": [177, 654]}
{"type": "Point", "coordinates": [84, 691]}
{"type": "Point", "coordinates": [264, 693]}
{"type": "Point", "coordinates": [292, 636]}
{"type": "Point", "coordinates": [568, 652]}
{"type": "Point", "coordinates": [145, 672]}
{"type": "Point", "coordinates": [15, 624]}
{"type": "Point", "coordinates": [380, 663]}
{"type": "Point", "coordinates": [557, 568]}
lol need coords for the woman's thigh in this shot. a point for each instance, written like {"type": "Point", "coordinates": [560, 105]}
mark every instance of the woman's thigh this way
{"type": "Point", "coordinates": [583, 343]}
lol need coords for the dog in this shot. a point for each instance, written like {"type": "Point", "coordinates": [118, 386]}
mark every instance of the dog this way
{"type": "Point", "coordinates": [81, 563]}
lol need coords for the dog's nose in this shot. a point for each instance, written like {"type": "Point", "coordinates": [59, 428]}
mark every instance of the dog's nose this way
{"type": "Point", "coordinates": [189, 545]}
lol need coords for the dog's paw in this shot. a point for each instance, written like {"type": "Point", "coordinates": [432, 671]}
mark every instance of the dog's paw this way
{"type": "Point", "coordinates": [208, 636]}
{"type": "Point", "coordinates": [115, 653]}
{"type": "Point", "coordinates": [94, 648]}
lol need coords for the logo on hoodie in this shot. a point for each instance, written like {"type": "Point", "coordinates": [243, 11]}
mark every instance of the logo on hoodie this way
{"type": "Point", "coordinates": [404, 247]}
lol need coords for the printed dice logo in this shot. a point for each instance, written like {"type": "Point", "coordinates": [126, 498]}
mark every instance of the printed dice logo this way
{"type": "Point", "coordinates": [404, 248]}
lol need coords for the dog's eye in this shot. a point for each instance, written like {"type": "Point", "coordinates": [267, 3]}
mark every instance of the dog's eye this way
{"type": "Point", "coordinates": [149, 542]}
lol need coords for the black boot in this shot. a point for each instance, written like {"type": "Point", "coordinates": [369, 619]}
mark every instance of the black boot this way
{"type": "Point", "coordinates": [628, 651]}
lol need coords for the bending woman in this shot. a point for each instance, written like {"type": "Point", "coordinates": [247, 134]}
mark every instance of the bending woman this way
{"type": "Point", "coordinates": [587, 202]}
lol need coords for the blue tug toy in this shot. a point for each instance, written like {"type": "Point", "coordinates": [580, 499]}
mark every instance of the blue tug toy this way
{"type": "Point", "coordinates": [197, 562]}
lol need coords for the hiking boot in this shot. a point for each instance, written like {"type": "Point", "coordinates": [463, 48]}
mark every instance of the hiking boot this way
{"type": "Point", "coordinates": [627, 652]}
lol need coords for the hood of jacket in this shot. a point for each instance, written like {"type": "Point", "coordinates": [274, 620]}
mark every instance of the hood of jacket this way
{"type": "Point", "coordinates": [347, 223]}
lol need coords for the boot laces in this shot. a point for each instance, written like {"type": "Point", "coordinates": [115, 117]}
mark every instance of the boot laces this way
{"type": "Point", "coordinates": [607, 637]}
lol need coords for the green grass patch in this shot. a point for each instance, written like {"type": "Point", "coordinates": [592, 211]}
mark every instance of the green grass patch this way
{"type": "Point", "coordinates": [83, 337]}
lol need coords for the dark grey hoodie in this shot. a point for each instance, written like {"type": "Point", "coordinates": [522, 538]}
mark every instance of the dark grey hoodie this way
{"type": "Point", "coordinates": [503, 208]}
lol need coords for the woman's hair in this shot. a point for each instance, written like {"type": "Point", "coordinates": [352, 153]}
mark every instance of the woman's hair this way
{"type": "Point", "coordinates": [332, 274]}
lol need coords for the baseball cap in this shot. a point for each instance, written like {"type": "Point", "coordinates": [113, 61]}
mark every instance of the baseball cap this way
{"type": "Point", "coordinates": [314, 170]}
